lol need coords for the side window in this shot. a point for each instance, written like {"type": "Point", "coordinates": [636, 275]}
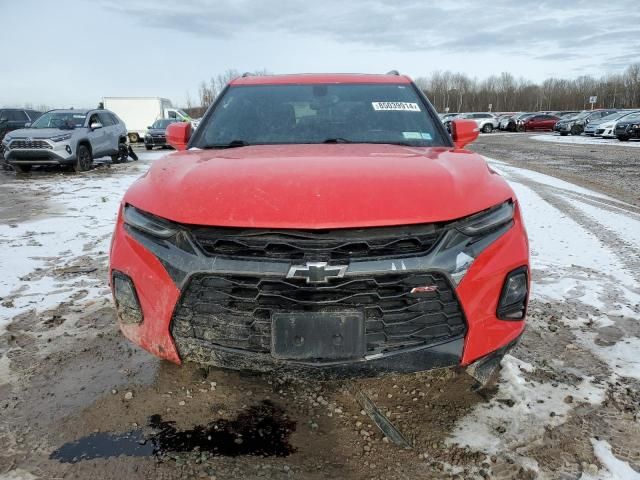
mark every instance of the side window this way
{"type": "Point", "coordinates": [3, 115]}
{"type": "Point", "coordinates": [172, 114]}
{"type": "Point", "coordinates": [93, 119]}
{"type": "Point", "coordinates": [18, 116]}
{"type": "Point", "coordinates": [114, 119]}
{"type": "Point", "coordinates": [33, 115]}
{"type": "Point", "coordinates": [105, 119]}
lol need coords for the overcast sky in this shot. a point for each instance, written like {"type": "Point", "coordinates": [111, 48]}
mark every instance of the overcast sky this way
{"type": "Point", "coordinates": [74, 52]}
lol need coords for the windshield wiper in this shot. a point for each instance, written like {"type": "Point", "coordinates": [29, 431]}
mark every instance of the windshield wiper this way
{"type": "Point", "coordinates": [231, 144]}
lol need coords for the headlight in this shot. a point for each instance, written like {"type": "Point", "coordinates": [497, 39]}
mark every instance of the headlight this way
{"type": "Point", "coordinates": [488, 220]}
{"type": "Point", "coordinates": [7, 138]}
{"type": "Point", "coordinates": [635, 125]}
{"type": "Point", "coordinates": [61, 138]}
{"type": "Point", "coordinates": [147, 223]}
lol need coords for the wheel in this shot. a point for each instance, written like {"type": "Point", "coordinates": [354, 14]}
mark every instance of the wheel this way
{"type": "Point", "coordinates": [148, 147]}
{"type": "Point", "coordinates": [22, 168]}
{"type": "Point", "coordinates": [133, 138]}
{"type": "Point", "coordinates": [115, 158]}
{"type": "Point", "coordinates": [576, 130]}
{"type": "Point", "coordinates": [487, 128]}
{"type": "Point", "coordinates": [83, 160]}
{"type": "Point", "coordinates": [623, 138]}
{"type": "Point", "coordinates": [521, 128]}
{"type": "Point", "coordinates": [564, 134]}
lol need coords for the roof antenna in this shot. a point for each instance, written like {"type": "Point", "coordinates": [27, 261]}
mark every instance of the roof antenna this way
{"type": "Point", "coordinates": [393, 72]}
{"type": "Point", "coordinates": [246, 74]}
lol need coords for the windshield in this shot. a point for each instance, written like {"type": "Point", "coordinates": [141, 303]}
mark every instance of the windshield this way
{"type": "Point", "coordinates": [613, 116]}
{"type": "Point", "coordinates": [631, 117]}
{"type": "Point", "coordinates": [162, 123]}
{"type": "Point", "coordinates": [62, 120]}
{"type": "Point", "coordinates": [299, 114]}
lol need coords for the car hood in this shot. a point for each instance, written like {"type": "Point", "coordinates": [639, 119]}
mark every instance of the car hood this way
{"type": "Point", "coordinates": [318, 186]}
{"type": "Point", "coordinates": [38, 132]}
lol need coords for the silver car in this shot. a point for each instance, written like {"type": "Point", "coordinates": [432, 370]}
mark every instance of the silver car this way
{"type": "Point", "coordinates": [65, 137]}
{"type": "Point", "coordinates": [487, 122]}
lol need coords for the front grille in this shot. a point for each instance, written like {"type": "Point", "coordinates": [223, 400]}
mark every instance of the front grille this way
{"type": "Point", "coordinates": [17, 144]}
{"type": "Point", "coordinates": [236, 311]}
{"type": "Point", "coordinates": [319, 245]}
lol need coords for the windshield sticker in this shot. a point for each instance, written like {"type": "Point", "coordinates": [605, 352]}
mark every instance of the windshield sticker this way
{"type": "Point", "coordinates": [396, 106]}
{"type": "Point", "coordinates": [78, 116]}
{"type": "Point", "coordinates": [417, 136]}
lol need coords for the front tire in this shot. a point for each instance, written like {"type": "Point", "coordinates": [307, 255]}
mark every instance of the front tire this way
{"type": "Point", "coordinates": [149, 147]}
{"type": "Point", "coordinates": [576, 130]}
{"type": "Point", "coordinates": [487, 128]}
{"type": "Point", "coordinates": [623, 138]}
{"type": "Point", "coordinates": [84, 159]}
{"type": "Point", "coordinates": [564, 134]}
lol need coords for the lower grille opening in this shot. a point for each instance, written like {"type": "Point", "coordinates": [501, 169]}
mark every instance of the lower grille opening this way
{"type": "Point", "coordinates": [236, 311]}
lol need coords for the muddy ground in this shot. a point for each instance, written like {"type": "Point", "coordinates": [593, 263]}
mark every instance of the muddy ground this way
{"type": "Point", "coordinates": [70, 384]}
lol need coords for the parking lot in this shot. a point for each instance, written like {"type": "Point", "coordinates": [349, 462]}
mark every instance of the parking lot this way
{"type": "Point", "coordinates": [566, 400]}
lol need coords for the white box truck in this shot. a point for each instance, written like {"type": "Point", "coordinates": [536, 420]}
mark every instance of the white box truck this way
{"type": "Point", "coordinates": [139, 113]}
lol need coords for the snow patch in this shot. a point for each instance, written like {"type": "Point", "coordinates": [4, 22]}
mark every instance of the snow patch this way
{"type": "Point", "coordinates": [616, 469]}
{"type": "Point", "coordinates": [494, 426]}
{"type": "Point", "coordinates": [584, 140]}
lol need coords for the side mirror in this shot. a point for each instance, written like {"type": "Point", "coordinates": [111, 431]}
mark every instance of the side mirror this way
{"type": "Point", "coordinates": [464, 132]}
{"type": "Point", "coordinates": [178, 135]}
{"type": "Point", "coordinates": [27, 125]}
{"type": "Point", "coordinates": [95, 126]}
{"type": "Point", "coordinates": [149, 127]}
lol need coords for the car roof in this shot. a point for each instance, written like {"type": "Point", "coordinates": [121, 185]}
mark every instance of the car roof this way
{"type": "Point", "coordinates": [80, 111]}
{"type": "Point", "coordinates": [315, 78]}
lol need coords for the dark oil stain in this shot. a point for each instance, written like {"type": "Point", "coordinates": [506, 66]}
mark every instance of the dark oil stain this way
{"type": "Point", "coordinates": [261, 430]}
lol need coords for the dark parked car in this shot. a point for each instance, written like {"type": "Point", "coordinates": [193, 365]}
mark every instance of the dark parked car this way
{"type": "Point", "coordinates": [14, 118]}
{"type": "Point", "coordinates": [628, 127]}
{"type": "Point", "coordinates": [575, 125]}
{"type": "Point", "coordinates": [538, 122]}
{"type": "Point", "coordinates": [156, 134]}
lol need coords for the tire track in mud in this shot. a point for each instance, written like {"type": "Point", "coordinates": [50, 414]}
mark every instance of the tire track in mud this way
{"type": "Point", "coordinates": [626, 252]}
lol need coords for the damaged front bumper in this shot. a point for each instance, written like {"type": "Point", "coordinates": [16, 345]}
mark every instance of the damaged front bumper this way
{"type": "Point", "coordinates": [222, 311]}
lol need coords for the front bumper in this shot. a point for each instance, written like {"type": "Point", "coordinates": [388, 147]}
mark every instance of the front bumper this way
{"type": "Point", "coordinates": [162, 274]}
{"type": "Point", "coordinates": [43, 152]}
{"type": "Point", "coordinates": [155, 141]}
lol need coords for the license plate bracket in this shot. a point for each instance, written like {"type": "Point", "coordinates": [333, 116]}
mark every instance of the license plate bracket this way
{"type": "Point", "coordinates": [327, 336]}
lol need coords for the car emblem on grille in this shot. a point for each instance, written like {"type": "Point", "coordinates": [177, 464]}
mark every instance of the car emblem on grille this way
{"type": "Point", "coordinates": [317, 272]}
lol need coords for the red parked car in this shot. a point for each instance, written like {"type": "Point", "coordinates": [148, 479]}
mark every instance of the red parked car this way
{"type": "Point", "coordinates": [321, 223]}
{"type": "Point", "coordinates": [539, 122]}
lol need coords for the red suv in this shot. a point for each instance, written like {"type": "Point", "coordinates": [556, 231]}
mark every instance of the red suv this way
{"type": "Point", "coordinates": [540, 122]}
{"type": "Point", "coordinates": [321, 223]}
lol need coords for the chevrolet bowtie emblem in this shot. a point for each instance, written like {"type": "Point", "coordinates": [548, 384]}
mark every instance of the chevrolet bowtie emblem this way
{"type": "Point", "coordinates": [317, 272]}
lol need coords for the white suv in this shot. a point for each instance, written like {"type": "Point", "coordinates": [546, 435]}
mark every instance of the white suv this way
{"type": "Point", "coordinates": [486, 122]}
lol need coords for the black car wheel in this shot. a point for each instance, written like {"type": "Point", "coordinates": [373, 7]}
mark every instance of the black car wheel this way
{"type": "Point", "coordinates": [623, 138]}
{"type": "Point", "coordinates": [487, 128]}
{"type": "Point", "coordinates": [22, 168]}
{"type": "Point", "coordinates": [83, 160]}
{"type": "Point", "coordinates": [521, 128]}
{"type": "Point", "coordinates": [576, 130]}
